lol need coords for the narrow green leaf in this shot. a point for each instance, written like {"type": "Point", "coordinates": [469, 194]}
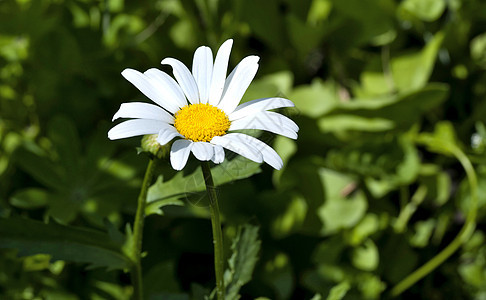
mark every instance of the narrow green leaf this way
{"type": "Point", "coordinates": [339, 291]}
{"type": "Point", "coordinates": [344, 123]}
{"type": "Point", "coordinates": [62, 243]}
{"type": "Point", "coordinates": [30, 198]}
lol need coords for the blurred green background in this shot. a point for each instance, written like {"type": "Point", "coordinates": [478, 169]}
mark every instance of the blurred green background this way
{"type": "Point", "coordinates": [359, 204]}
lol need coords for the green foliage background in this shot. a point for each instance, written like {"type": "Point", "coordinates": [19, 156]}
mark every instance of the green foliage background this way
{"type": "Point", "coordinates": [359, 204]}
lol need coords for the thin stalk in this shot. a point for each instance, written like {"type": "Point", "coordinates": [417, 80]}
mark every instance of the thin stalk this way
{"type": "Point", "coordinates": [409, 209]}
{"type": "Point", "coordinates": [217, 234]}
{"type": "Point", "coordinates": [463, 235]}
{"type": "Point", "coordinates": [136, 254]}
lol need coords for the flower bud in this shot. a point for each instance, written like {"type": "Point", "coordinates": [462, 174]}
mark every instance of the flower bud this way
{"type": "Point", "coordinates": [150, 144]}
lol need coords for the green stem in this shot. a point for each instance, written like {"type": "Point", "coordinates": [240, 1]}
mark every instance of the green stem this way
{"type": "Point", "coordinates": [217, 234]}
{"type": "Point", "coordinates": [463, 235]}
{"type": "Point", "coordinates": [136, 254]}
{"type": "Point", "coordinates": [409, 209]}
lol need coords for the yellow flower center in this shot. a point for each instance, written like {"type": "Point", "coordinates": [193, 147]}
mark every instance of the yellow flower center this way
{"type": "Point", "coordinates": [201, 122]}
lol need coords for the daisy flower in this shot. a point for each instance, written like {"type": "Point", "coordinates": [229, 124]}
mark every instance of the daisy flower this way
{"type": "Point", "coordinates": [200, 110]}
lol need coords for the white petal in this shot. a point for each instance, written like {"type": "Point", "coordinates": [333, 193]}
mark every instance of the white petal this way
{"type": "Point", "coordinates": [203, 151]}
{"type": "Point", "coordinates": [281, 120]}
{"type": "Point", "coordinates": [167, 134]}
{"type": "Point", "coordinates": [142, 110]}
{"type": "Point", "coordinates": [273, 122]}
{"type": "Point", "coordinates": [218, 156]}
{"type": "Point", "coordinates": [258, 105]}
{"type": "Point", "coordinates": [202, 70]}
{"type": "Point", "coordinates": [179, 153]}
{"type": "Point", "coordinates": [144, 84]}
{"type": "Point", "coordinates": [136, 127]}
{"type": "Point", "coordinates": [270, 156]}
{"type": "Point", "coordinates": [237, 83]}
{"type": "Point", "coordinates": [219, 72]}
{"type": "Point", "coordinates": [234, 142]}
{"type": "Point", "coordinates": [184, 78]}
{"type": "Point", "coordinates": [167, 86]}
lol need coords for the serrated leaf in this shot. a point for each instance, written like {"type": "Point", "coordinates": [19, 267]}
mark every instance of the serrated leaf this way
{"type": "Point", "coordinates": [245, 248]}
{"type": "Point", "coordinates": [167, 193]}
{"type": "Point", "coordinates": [157, 209]}
{"type": "Point", "coordinates": [62, 243]}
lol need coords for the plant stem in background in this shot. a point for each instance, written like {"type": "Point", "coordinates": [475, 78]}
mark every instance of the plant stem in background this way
{"type": "Point", "coordinates": [136, 253]}
{"type": "Point", "coordinates": [463, 235]}
{"type": "Point", "coordinates": [217, 234]}
{"type": "Point", "coordinates": [409, 209]}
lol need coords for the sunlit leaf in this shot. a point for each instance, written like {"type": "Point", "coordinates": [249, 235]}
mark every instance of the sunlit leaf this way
{"type": "Point", "coordinates": [339, 210]}
{"type": "Point", "coordinates": [423, 232]}
{"type": "Point", "coordinates": [426, 10]}
{"type": "Point", "coordinates": [182, 184]}
{"type": "Point", "coordinates": [366, 256]}
{"type": "Point", "coordinates": [277, 84]}
{"type": "Point", "coordinates": [339, 291]}
{"type": "Point", "coordinates": [408, 72]}
{"type": "Point", "coordinates": [366, 227]}
{"type": "Point", "coordinates": [315, 99]}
